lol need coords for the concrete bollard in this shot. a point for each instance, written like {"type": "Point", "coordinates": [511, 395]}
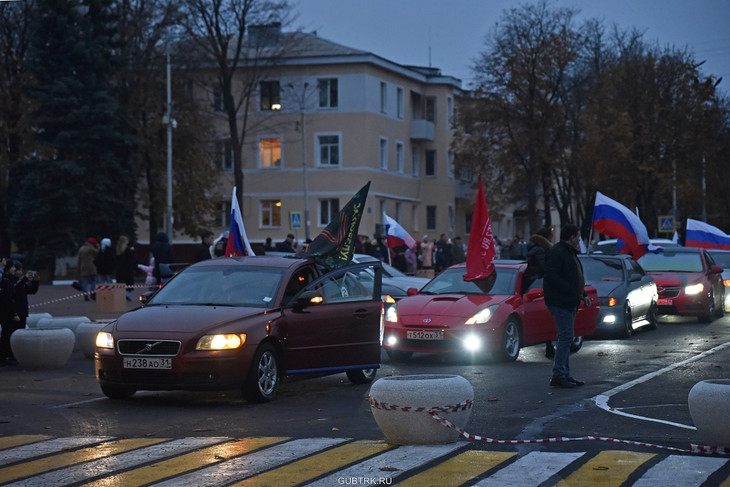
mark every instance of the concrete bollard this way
{"type": "Point", "coordinates": [400, 406]}
{"type": "Point", "coordinates": [42, 348]}
{"type": "Point", "coordinates": [86, 337]}
{"type": "Point", "coordinates": [33, 318]}
{"type": "Point", "coordinates": [709, 407]}
{"type": "Point", "coordinates": [70, 322]}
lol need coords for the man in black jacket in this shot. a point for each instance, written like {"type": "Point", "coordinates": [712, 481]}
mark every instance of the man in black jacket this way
{"type": "Point", "coordinates": [564, 288]}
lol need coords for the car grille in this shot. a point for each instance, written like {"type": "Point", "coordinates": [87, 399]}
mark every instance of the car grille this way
{"type": "Point", "coordinates": [149, 347]}
{"type": "Point", "coordinates": [668, 292]}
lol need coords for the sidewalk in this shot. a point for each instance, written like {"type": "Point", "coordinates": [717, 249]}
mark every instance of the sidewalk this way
{"type": "Point", "coordinates": [63, 300]}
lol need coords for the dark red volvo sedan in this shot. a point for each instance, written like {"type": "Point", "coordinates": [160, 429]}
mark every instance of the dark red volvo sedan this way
{"type": "Point", "coordinates": [246, 323]}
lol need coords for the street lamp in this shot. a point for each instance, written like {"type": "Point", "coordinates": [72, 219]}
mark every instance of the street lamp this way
{"type": "Point", "coordinates": [170, 123]}
{"type": "Point", "coordinates": [302, 105]}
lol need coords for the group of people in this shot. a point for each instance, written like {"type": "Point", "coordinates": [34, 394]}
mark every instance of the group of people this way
{"type": "Point", "coordinates": [101, 263]}
{"type": "Point", "coordinates": [15, 286]}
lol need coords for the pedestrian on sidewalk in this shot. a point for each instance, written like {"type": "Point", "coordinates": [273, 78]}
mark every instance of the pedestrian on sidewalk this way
{"type": "Point", "coordinates": [87, 268]}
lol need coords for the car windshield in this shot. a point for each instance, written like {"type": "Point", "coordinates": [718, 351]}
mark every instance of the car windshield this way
{"type": "Point", "coordinates": [672, 261]}
{"type": "Point", "coordinates": [451, 281]}
{"type": "Point", "coordinates": [597, 269]}
{"type": "Point", "coordinates": [721, 258]}
{"type": "Point", "coordinates": [222, 286]}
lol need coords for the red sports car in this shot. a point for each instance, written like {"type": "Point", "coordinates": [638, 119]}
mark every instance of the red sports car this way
{"type": "Point", "coordinates": [688, 281]}
{"type": "Point", "coordinates": [246, 323]}
{"type": "Point", "coordinates": [452, 315]}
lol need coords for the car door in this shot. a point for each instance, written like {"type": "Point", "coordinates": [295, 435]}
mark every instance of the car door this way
{"type": "Point", "coordinates": [335, 322]}
{"type": "Point", "coordinates": [537, 322]}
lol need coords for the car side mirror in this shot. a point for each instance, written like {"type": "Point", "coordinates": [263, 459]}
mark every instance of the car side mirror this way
{"type": "Point", "coordinates": [145, 296]}
{"type": "Point", "coordinates": [309, 298]}
{"type": "Point", "coordinates": [635, 278]}
{"type": "Point", "coordinates": [411, 291]}
{"type": "Point", "coordinates": [534, 293]}
{"type": "Point", "coordinates": [716, 269]}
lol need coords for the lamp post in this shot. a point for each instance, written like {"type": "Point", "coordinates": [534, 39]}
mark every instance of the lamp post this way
{"type": "Point", "coordinates": [302, 102]}
{"type": "Point", "coordinates": [170, 123]}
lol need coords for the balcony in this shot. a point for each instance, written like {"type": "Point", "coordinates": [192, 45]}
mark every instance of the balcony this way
{"type": "Point", "coordinates": [422, 130]}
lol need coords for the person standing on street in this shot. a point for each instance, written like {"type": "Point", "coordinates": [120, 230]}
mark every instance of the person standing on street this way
{"type": "Point", "coordinates": [564, 288]}
{"type": "Point", "coordinates": [206, 242]}
{"type": "Point", "coordinates": [87, 268]}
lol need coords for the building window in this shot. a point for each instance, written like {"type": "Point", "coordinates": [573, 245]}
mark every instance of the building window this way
{"type": "Point", "coordinates": [415, 164]}
{"type": "Point", "coordinates": [270, 213]}
{"type": "Point", "coordinates": [327, 93]}
{"type": "Point", "coordinates": [383, 154]}
{"type": "Point", "coordinates": [383, 97]}
{"type": "Point", "coordinates": [449, 111]}
{"type": "Point", "coordinates": [225, 214]}
{"type": "Point", "coordinates": [430, 110]}
{"type": "Point", "coordinates": [399, 102]}
{"type": "Point", "coordinates": [270, 95]}
{"type": "Point", "coordinates": [216, 98]}
{"type": "Point", "coordinates": [399, 149]}
{"type": "Point", "coordinates": [223, 155]}
{"type": "Point", "coordinates": [270, 152]}
{"type": "Point", "coordinates": [398, 212]}
{"type": "Point", "coordinates": [328, 209]}
{"type": "Point", "coordinates": [451, 218]}
{"type": "Point", "coordinates": [450, 165]}
{"type": "Point", "coordinates": [430, 163]}
{"type": "Point", "coordinates": [431, 218]}
{"type": "Point", "coordinates": [328, 148]}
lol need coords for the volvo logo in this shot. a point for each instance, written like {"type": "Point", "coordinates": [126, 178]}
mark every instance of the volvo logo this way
{"type": "Point", "coordinates": [427, 320]}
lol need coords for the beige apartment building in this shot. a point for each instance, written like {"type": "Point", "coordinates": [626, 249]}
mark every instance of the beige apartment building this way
{"type": "Point", "coordinates": [328, 119]}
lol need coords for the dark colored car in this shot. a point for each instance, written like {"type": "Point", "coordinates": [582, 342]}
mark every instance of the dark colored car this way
{"type": "Point", "coordinates": [722, 258]}
{"type": "Point", "coordinates": [688, 282]}
{"type": "Point", "coordinates": [246, 323]}
{"type": "Point", "coordinates": [627, 294]}
{"type": "Point", "coordinates": [452, 315]}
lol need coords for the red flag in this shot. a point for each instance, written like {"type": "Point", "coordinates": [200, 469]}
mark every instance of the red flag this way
{"type": "Point", "coordinates": [481, 252]}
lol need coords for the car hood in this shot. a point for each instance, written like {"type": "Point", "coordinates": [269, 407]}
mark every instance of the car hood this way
{"type": "Point", "coordinates": [182, 318]}
{"type": "Point", "coordinates": [605, 288]}
{"type": "Point", "coordinates": [672, 279]}
{"type": "Point", "coordinates": [446, 304]}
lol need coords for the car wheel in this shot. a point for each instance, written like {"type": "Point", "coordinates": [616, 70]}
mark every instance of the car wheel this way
{"type": "Point", "coordinates": [362, 376]}
{"type": "Point", "coordinates": [651, 317]}
{"type": "Point", "coordinates": [263, 378]}
{"type": "Point", "coordinates": [510, 341]}
{"type": "Point", "coordinates": [576, 345]}
{"type": "Point", "coordinates": [118, 392]}
{"type": "Point", "coordinates": [628, 327]}
{"type": "Point", "coordinates": [707, 318]}
{"type": "Point", "coordinates": [399, 355]}
{"type": "Point", "coordinates": [720, 310]}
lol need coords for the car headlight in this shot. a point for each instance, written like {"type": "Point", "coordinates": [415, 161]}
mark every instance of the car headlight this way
{"type": "Point", "coordinates": [391, 314]}
{"type": "Point", "coordinates": [104, 339]}
{"type": "Point", "coordinates": [228, 341]}
{"type": "Point", "coordinates": [694, 289]}
{"type": "Point", "coordinates": [482, 316]}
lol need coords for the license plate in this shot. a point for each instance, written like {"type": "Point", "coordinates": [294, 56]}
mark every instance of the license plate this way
{"type": "Point", "coordinates": [147, 363]}
{"type": "Point", "coordinates": [664, 302]}
{"type": "Point", "coordinates": [424, 335]}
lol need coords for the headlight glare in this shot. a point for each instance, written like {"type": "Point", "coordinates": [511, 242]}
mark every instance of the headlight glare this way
{"type": "Point", "coordinates": [693, 289]}
{"type": "Point", "coordinates": [228, 341]}
{"type": "Point", "coordinates": [482, 316]}
{"type": "Point", "coordinates": [104, 339]}
{"type": "Point", "coordinates": [391, 314]}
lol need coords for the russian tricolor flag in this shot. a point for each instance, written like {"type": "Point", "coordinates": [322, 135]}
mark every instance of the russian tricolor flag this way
{"type": "Point", "coordinates": [700, 234]}
{"type": "Point", "coordinates": [237, 244]}
{"type": "Point", "coordinates": [396, 235]}
{"type": "Point", "coordinates": [615, 220]}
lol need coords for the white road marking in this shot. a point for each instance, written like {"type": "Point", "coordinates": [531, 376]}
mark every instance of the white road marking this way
{"type": "Point", "coordinates": [47, 447]}
{"type": "Point", "coordinates": [680, 471]}
{"type": "Point", "coordinates": [532, 469]}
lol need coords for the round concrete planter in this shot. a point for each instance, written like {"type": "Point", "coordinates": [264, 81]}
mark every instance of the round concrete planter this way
{"type": "Point", "coordinates": [709, 406]}
{"type": "Point", "coordinates": [36, 348]}
{"type": "Point", "coordinates": [33, 318]}
{"type": "Point", "coordinates": [86, 337]}
{"type": "Point", "coordinates": [400, 406]}
{"type": "Point", "coordinates": [70, 322]}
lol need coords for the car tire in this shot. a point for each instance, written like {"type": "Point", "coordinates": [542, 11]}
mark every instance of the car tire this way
{"type": "Point", "coordinates": [118, 392]}
{"type": "Point", "coordinates": [362, 376]}
{"type": "Point", "coordinates": [511, 341]}
{"type": "Point", "coordinates": [576, 344]}
{"type": "Point", "coordinates": [720, 310]}
{"type": "Point", "coordinates": [707, 318]}
{"type": "Point", "coordinates": [628, 328]}
{"type": "Point", "coordinates": [651, 317]}
{"type": "Point", "coordinates": [263, 378]}
{"type": "Point", "coordinates": [399, 355]}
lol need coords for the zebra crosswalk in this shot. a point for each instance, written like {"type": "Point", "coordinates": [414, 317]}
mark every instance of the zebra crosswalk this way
{"type": "Point", "coordinates": [104, 461]}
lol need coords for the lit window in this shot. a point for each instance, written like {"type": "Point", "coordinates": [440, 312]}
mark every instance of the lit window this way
{"type": "Point", "coordinates": [270, 152]}
{"type": "Point", "coordinates": [271, 213]}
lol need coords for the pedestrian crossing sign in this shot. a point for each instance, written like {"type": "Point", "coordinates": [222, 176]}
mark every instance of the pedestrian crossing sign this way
{"type": "Point", "coordinates": [295, 220]}
{"type": "Point", "coordinates": [667, 224]}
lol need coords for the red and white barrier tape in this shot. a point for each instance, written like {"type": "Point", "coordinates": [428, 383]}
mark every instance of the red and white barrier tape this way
{"type": "Point", "coordinates": [433, 412]}
{"type": "Point", "coordinates": [81, 295]}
